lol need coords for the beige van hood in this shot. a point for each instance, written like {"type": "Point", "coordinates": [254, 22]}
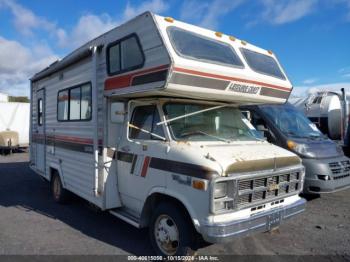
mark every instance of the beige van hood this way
{"type": "Point", "coordinates": [250, 157]}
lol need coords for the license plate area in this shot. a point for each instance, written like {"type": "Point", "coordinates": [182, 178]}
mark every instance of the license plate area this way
{"type": "Point", "coordinates": [273, 220]}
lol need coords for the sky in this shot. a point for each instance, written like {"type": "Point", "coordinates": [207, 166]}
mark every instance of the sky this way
{"type": "Point", "coordinates": [311, 38]}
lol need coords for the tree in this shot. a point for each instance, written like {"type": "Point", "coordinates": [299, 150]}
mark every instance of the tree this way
{"type": "Point", "coordinates": [21, 99]}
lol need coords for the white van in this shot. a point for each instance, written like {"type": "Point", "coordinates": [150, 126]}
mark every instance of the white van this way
{"type": "Point", "coordinates": [143, 121]}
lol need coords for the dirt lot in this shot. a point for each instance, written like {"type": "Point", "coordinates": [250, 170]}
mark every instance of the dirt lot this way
{"type": "Point", "coordinates": [31, 223]}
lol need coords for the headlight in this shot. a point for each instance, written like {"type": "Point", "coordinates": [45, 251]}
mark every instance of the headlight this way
{"type": "Point", "coordinates": [220, 190]}
{"type": "Point", "coordinates": [301, 149]}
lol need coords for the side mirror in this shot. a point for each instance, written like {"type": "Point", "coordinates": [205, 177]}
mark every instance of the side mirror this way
{"type": "Point", "coordinates": [117, 112]}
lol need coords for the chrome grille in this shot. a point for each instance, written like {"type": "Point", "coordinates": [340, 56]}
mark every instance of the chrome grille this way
{"type": "Point", "coordinates": [254, 190]}
{"type": "Point", "coordinates": [339, 167]}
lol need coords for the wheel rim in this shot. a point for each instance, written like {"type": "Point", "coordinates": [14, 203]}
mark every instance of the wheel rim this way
{"type": "Point", "coordinates": [56, 188]}
{"type": "Point", "coordinates": [166, 235]}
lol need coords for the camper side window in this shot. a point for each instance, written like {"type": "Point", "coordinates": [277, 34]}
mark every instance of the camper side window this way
{"type": "Point", "coordinates": [124, 55]}
{"type": "Point", "coordinates": [74, 104]}
{"type": "Point", "coordinates": [144, 124]}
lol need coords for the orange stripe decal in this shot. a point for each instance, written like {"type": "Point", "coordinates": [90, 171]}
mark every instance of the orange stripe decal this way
{"type": "Point", "coordinates": [189, 71]}
{"type": "Point", "coordinates": [145, 166]}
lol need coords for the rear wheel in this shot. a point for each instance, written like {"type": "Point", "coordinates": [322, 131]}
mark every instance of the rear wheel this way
{"type": "Point", "coordinates": [171, 232]}
{"type": "Point", "coordinates": [60, 195]}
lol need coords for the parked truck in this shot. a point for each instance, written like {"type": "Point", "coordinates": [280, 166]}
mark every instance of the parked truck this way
{"type": "Point", "coordinates": [143, 121]}
{"type": "Point", "coordinates": [327, 170]}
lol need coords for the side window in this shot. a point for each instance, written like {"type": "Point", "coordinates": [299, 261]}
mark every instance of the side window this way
{"type": "Point", "coordinates": [62, 105]}
{"type": "Point", "coordinates": [124, 55]}
{"type": "Point", "coordinates": [40, 112]}
{"type": "Point", "coordinates": [146, 118]}
{"type": "Point", "coordinates": [74, 104]}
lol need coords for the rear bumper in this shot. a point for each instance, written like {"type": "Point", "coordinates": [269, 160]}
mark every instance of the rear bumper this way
{"type": "Point", "coordinates": [262, 222]}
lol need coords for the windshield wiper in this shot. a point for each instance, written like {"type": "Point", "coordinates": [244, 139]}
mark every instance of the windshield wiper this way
{"type": "Point", "coordinates": [190, 114]}
{"type": "Point", "coordinates": [198, 132]}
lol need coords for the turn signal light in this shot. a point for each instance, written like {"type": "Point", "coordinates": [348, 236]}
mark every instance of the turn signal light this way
{"type": "Point", "coordinates": [291, 144]}
{"type": "Point", "coordinates": [198, 184]}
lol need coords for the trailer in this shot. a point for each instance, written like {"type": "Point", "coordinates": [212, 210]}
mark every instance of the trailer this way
{"type": "Point", "coordinates": [143, 121]}
{"type": "Point", "coordinates": [14, 125]}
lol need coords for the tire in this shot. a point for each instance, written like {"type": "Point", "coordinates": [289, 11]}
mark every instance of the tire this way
{"type": "Point", "coordinates": [171, 231]}
{"type": "Point", "coordinates": [59, 194]}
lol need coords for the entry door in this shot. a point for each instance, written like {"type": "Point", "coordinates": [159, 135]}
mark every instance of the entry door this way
{"type": "Point", "coordinates": [40, 130]}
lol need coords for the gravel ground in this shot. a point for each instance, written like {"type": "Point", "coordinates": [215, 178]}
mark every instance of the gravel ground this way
{"type": "Point", "coordinates": [31, 223]}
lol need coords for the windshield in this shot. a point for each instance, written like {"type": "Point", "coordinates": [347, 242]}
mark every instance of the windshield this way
{"type": "Point", "coordinates": [194, 46]}
{"type": "Point", "coordinates": [262, 63]}
{"type": "Point", "coordinates": [291, 122]}
{"type": "Point", "coordinates": [218, 124]}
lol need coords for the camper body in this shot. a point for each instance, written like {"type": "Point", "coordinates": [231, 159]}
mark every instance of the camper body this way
{"type": "Point", "coordinates": [136, 125]}
{"type": "Point", "coordinates": [326, 168]}
{"type": "Point", "coordinates": [14, 125]}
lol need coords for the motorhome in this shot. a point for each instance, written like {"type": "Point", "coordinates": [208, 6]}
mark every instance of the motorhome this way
{"type": "Point", "coordinates": [143, 121]}
{"type": "Point", "coordinates": [327, 170]}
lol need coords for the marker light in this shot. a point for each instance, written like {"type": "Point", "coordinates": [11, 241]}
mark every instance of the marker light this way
{"type": "Point", "coordinates": [169, 19]}
{"type": "Point", "coordinates": [198, 184]}
{"type": "Point", "coordinates": [270, 52]}
{"type": "Point", "coordinates": [232, 38]}
{"type": "Point", "coordinates": [218, 34]}
{"type": "Point", "coordinates": [243, 42]}
{"type": "Point", "coordinates": [291, 145]}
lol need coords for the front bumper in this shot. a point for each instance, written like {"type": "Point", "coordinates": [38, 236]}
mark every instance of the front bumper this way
{"type": "Point", "coordinates": [340, 180]}
{"type": "Point", "coordinates": [261, 222]}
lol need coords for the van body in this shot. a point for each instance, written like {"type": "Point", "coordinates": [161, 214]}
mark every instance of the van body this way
{"type": "Point", "coordinates": [326, 168]}
{"type": "Point", "coordinates": [143, 121]}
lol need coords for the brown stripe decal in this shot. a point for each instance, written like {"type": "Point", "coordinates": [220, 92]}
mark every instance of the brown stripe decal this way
{"type": "Point", "coordinates": [181, 168]}
{"type": "Point", "coordinates": [274, 93]}
{"type": "Point", "coordinates": [191, 80]}
{"type": "Point", "coordinates": [229, 78]}
{"type": "Point", "coordinates": [149, 78]}
{"type": "Point", "coordinates": [125, 157]}
{"type": "Point", "coordinates": [145, 166]}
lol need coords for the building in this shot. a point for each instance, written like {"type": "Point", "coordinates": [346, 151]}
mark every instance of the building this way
{"type": "Point", "coordinates": [4, 97]}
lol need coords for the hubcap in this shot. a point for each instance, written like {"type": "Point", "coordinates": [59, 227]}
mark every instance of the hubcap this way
{"type": "Point", "coordinates": [166, 235]}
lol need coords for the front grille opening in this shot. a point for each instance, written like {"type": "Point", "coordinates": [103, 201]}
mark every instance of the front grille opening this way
{"type": "Point", "coordinates": [341, 177]}
{"type": "Point", "coordinates": [260, 189]}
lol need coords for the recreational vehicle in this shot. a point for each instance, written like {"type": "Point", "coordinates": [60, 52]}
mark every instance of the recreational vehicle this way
{"type": "Point", "coordinates": [14, 125]}
{"type": "Point", "coordinates": [326, 168]}
{"type": "Point", "coordinates": [143, 121]}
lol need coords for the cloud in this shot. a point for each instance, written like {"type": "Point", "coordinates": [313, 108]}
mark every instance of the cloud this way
{"type": "Point", "coordinates": [281, 12]}
{"type": "Point", "coordinates": [25, 20]}
{"type": "Point", "coordinates": [18, 63]}
{"type": "Point", "coordinates": [90, 26]}
{"type": "Point", "coordinates": [310, 81]}
{"type": "Point", "coordinates": [207, 14]}
{"type": "Point", "coordinates": [155, 6]}
{"type": "Point", "coordinates": [303, 91]}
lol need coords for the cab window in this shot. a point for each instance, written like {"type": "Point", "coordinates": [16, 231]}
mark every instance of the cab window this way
{"type": "Point", "coordinates": [144, 124]}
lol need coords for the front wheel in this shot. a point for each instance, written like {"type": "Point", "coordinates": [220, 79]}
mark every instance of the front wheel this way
{"type": "Point", "coordinates": [171, 231]}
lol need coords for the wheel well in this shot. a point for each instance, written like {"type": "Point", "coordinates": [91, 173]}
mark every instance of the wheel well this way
{"type": "Point", "coordinates": [151, 203]}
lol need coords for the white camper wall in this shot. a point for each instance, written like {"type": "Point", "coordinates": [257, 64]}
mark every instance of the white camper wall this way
{"type": "Point", "coordinates": [15, 117]}
{"type": "Point", "coordinates": [3, 97]}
